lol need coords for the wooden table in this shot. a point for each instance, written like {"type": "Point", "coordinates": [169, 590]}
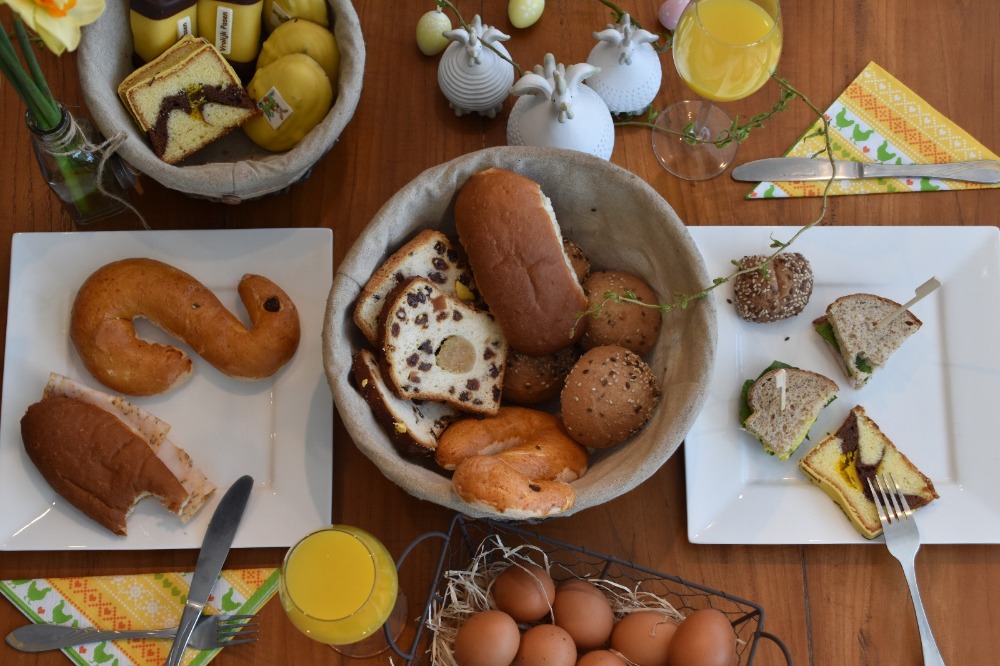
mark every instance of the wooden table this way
{"type": "Point", "coordinates": [829, 604]}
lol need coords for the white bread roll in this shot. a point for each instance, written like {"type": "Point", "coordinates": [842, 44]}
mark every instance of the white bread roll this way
{"type": "Point", "coordinates": [509, 231]}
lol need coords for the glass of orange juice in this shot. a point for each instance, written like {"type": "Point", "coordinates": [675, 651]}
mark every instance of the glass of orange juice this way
{"type": "Point", "coordinates": [724, 50]}
{"type": "Point", "coordinates": [338, 586]}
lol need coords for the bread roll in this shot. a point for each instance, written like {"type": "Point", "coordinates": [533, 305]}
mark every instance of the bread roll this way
{"type": "Point", "coordinates": [512, 238]}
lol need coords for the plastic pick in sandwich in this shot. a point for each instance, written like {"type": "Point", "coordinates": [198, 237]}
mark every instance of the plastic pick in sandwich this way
{"type": "Point", "coordinates": [781, 382]}
{"type": "Point", "coordinates": [921, 291]}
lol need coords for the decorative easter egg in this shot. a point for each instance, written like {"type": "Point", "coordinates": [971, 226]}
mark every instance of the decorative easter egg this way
{"type": "Point", "coordinates": [555, 109]}
{"type": "Point", "coordinates": [523, 13]}
{"type": "Point", "coordinates": [430, 32]}
{"type": "Point", "coordinates": [629, 71]}
{"type": "Point", "coordinates": [670, 11]}
{"type": "Point", "coordinates": [472, 77]}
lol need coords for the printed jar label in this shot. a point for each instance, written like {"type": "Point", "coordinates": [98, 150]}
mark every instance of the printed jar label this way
{"type": "Point", "coordinates": [274, 108]}
{"type": "Point", "coordinates": [224, 30]}
{"type": "Point", "coordinates": [183, 26]}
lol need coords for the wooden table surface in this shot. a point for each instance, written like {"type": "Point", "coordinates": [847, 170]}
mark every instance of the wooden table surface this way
{"type": "Point", "coordinates": [831, 605]}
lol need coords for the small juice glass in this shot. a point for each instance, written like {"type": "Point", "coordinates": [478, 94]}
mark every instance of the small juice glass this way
{"type": "Point", "coordinates": [339, 587]}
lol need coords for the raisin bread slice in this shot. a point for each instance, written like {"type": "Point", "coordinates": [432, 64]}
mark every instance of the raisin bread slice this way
{"type": "Point", "coordinates": [413, 425]}
{"type": "Point", "coordinates": [430, 254]}
{"type": "Point", "coordinates": [435, 347]}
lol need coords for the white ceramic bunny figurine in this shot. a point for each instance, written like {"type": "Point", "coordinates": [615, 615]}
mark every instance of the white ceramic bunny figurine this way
{"type": "Point", "coordinates": [472, 77]}
{"type": "Point", "coordinates": [630, 67]}
{"type": "Point", "coordinates": [556, 109]}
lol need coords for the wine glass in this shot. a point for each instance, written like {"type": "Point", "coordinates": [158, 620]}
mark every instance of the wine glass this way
{"type": "Point", "coordinates": [724, 50]}
{"type": "Point", "coordinates": [338, 585]}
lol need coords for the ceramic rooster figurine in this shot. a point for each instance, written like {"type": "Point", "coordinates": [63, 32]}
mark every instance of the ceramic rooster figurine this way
{"type": "Point", "coordinates": [555, 109]}
{"type": "Point", "coordinates": [472, 77]}
{"type": "Point", "coordinates": [630, 70]}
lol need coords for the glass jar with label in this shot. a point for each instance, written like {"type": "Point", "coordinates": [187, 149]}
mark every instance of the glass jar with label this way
{"type": "Point", "coordinates": [233, 26]}
{"type": "Point", "coordinates": [159, 24]}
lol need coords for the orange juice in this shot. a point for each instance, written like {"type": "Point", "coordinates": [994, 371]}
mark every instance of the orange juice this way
{"type": "Point", "coordinates": [338, 585]}
{"type": "Point", "coordinates": [727, 49]}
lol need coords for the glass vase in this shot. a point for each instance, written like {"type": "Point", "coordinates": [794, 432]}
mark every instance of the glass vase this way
{"type": "Point", "coordinates": [70, 156]}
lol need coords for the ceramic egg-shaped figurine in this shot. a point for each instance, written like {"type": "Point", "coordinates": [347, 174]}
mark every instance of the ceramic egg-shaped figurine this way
{"type": "Point", "coordinates": [472, 77]}
{"type": "Point", "coordinates": [555, 109]}
{"type": "Point", "coordinates": [630, 71]}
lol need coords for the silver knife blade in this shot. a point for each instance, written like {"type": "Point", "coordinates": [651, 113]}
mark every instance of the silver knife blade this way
{"type": "Point", "coordinates": [214, 549]}
{"type": "Point", "coordinates": [820, 168]}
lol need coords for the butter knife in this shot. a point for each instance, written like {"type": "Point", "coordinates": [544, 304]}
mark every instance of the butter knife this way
{"type": "Point", "coordinates": [820, 168]}
{"type": "Point", "coordinates": [214, 549]}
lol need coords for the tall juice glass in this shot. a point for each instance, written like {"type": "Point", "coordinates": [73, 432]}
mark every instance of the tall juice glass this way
{"type": "Point", "coordinates": [724, 50]}
{"type": "Point", "coordinates": [339, 586]}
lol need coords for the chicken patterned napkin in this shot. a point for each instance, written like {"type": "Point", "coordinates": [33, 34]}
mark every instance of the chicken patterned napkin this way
{"type": "Point", "coordinates": [878, 119]}
{"type": "Point", "coordinates": [141, 601]}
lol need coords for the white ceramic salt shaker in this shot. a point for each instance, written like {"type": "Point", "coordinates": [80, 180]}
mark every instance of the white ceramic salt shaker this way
{"type": "Point", "coordinates": [630, 71]}
{"type": "Point", "coordinates": [472, 77]}
{"type": "Point", "coordinates": [555, 109]}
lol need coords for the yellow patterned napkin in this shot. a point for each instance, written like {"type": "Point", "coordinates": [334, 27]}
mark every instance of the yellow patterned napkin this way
{"type": "Point", "coordinates": [878, 119]}
{"type": "Point", "coordinates": [141, 601]}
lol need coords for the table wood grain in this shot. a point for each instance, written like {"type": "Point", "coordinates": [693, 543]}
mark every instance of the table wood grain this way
{"type": "Point", "coordinates": [831, 605]}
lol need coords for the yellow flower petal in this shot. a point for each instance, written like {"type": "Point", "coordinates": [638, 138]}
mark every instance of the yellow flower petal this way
{"type": "Point", "coordinates": [58, 22]}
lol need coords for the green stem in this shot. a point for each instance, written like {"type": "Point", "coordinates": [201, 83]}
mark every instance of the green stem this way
{"type": "Point", "coordinates": [51, 111]}
{"type": "Point", "coordinates": [39, 104]}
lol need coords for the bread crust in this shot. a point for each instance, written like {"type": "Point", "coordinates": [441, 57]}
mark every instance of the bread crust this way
{"type": "Point", "coordinates": [102, 329]}
{"type": "Point", "coordinates": [515, 248]}
{"type": "Point", "coordinates": [96, 462]}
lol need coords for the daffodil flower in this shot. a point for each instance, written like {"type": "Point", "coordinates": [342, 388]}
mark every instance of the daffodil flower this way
{"type": "Point", "coordinates": [57, 22]}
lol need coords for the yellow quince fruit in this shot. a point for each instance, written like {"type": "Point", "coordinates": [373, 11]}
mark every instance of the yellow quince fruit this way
{"type": "Point", "coordinates": [294, 95]}
{"type": "Point", "coordinates": [276, 12]}
{"type": "Point", "coordinates": [303, 36]}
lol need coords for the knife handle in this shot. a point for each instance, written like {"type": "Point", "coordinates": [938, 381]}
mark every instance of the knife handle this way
{"type": "Point", "coordinates": [42, 637]}
{"type": "Point", "coordinates": [976, 171]}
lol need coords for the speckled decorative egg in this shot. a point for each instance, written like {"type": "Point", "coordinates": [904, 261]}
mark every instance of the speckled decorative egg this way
{"type": "Point", "coordinates": [524, 13]}
{"type": "Point", "coordinates": [556, 110]}
{"type": "Point", "coordinates": [472, 77]}
{"type": "Point", "coordinates": [430, 32]}
{"type": "Point", "coordinates": [629, 67]}
{"type": "Point", "coordinates": [670, 12]}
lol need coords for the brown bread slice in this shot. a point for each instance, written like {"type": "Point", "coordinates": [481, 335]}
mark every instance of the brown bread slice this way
{"type": "Point", "coordinates": [782, 430]}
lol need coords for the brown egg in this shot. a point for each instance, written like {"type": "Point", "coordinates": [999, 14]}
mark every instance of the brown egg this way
{"type": "Point", "coordinates": [601, 658]}
{"type": "Point", "coordinates": [546, 645]}
{"type": "Point", "coordinates": [643, 637]}
{"type": "Point", "coordinates": [582, 609]}
{"type": "Point", "coordinates": [704, 638]}
{"type": "Point", "coordinates": [524, 591]}
{"type": "Point", "coordinates": [489, 638]}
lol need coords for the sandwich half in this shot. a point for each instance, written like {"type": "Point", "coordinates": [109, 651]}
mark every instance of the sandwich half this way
{"type": "Point", "coordinates": [843, 462]}
{"type": "Point", "coordinates": [782, 424]}
{"type": "Point", "coordinates": [850, 328]}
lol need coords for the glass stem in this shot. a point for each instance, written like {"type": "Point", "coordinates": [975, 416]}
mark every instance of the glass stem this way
{"type": "Point", "coordinates": [701, 130]}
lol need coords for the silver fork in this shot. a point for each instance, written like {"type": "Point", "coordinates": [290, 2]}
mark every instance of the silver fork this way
{"type": "Point", "coordinates": [212, 631]}
{"type": "Point", "coordinates": [903, 540]}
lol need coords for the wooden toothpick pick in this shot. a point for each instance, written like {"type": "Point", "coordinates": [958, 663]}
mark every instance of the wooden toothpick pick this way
{"type": "Point", "coordinates": [780, 380]}
{"type": "Point", "coordinates": [923, 290]}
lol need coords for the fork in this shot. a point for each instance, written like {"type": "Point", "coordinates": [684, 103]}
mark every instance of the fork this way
{"type": "Point", "coordinates": [212, 631]}
{"type": "Point", "coordinates": [903, 540]}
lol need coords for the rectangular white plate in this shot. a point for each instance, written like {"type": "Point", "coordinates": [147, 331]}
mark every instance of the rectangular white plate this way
{"type": "Point", "coordinates": [279, 430]}
{"type": "Point", "coordinates": [936, 398]}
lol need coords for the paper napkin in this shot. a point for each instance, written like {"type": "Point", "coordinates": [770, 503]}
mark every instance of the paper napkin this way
{"type": "Point", "coordinates": [141, 601]}
{"type": "Point", "coordinates": [878, 119]}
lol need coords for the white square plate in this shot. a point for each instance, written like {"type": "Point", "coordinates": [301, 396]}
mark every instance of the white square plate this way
{"type": "Point", "coordinates": [279, 430]}
{"type": "Point", "coordinates": [936, 398]}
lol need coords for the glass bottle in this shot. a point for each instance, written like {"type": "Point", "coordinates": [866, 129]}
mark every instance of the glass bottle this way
{"type": "Point", "coordinates": [70, 156]}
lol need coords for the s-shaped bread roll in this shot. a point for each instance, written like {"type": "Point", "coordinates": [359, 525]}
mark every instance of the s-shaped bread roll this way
{"type": "Point", "coordinates": [518, 463]}
{"type": "Point", "coordinates": [102, 329]}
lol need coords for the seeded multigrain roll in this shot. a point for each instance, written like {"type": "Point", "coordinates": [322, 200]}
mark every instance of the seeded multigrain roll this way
{"type": "Point", "coordinates": [628, 325]}
{"type": "Point", "coordinates": [609, 396]}
{"type": "Point", "coordinates": [780, 291]}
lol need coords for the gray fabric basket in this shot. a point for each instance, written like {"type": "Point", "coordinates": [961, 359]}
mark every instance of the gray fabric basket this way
{"type": "Point", "coordinates": [233, 169]}
{"type": "Point", "coordinates": [621, 223]}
